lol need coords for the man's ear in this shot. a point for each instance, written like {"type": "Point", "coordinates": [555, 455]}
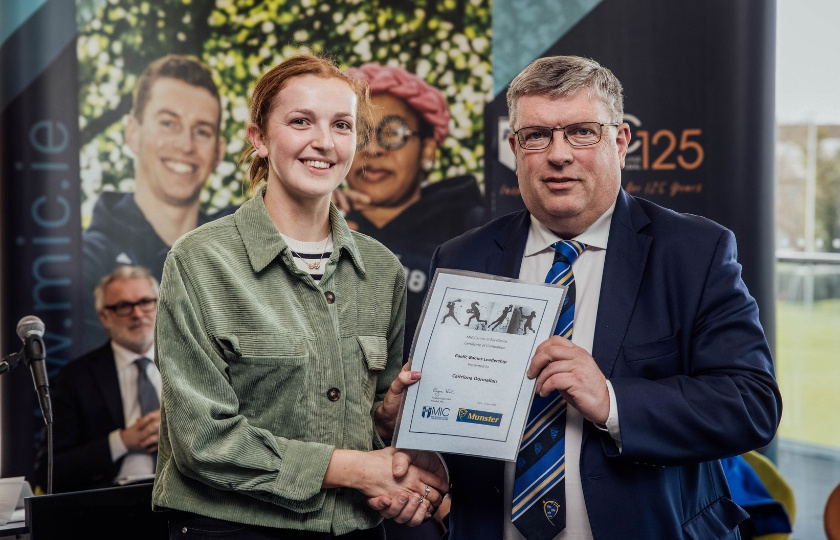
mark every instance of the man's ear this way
{"type": "Point", "coordinates": [512, 143]}
{"type": "Point", "coordinates": [102, 318]}
{"type": "Point", "coordinates": [221, 146]}
{"type": "Point", "coordinates": [622, 141]}
{"type": "Point", "coordinates": [132, 133]}
{"type": "Point", "coordinates": [256, 138]}
{"type": "Point", "coordinates": [514, 147]}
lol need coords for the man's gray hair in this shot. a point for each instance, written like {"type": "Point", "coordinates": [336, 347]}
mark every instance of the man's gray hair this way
{"type": "Point", "coordinates": [562, 76]}
{"type": "Point", "coordinates": [120, 274]}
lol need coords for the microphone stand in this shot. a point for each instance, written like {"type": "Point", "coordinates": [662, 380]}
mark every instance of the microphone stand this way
{"type": "Point", "coordinates": [49, 458]}
{"type": "Point", "coordinates": [8, 364]}
{"type": "Point", "coordinates": [11, 362]}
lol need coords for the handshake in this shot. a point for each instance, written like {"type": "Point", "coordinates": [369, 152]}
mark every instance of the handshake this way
{"type": "Point", "coordinates": [416, 489]}
{"type": "Point", "coordinates": [404, 485]}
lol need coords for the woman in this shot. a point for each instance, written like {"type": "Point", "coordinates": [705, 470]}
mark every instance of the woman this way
{"type": "Point", "coordinates": [387, 196]}
{"type": "Point", "coordinates": [279, 332]}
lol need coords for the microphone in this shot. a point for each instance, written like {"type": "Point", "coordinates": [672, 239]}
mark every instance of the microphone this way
{"type": "Point", "coordinates": [30, 330]}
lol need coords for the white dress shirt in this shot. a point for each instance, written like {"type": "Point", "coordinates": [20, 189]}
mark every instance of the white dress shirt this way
{"type": "Point", "coordinates": [588, 270]}
{"type": "Point", "coordinates": [135, 463]}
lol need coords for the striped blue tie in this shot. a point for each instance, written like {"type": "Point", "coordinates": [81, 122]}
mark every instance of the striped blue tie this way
{"type": "Point", "coordinates": [539, 489]}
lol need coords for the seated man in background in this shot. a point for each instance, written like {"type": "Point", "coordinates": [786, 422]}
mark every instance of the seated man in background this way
{"type": "Point", "coordinates": [174, 133]}
{"type": "Point", "coordinates": [107, 402]}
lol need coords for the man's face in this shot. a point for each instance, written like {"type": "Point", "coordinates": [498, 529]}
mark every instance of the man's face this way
{"type": "Point", "coordinates": [177, 143]}
{"type": "Point", "coordinates": [567, 189]}
{"type": "Point", "coordinates": [134, 331]}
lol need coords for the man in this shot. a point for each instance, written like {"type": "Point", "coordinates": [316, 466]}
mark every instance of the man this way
{"type": "Point", "coordinates": [174, 133]}
{"type": "Point", "coordinates": [102, 432]}
{"type": "Point", "coordinates": [667, 369]}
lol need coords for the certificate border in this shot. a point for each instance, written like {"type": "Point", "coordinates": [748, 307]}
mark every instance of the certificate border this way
{"type": "Point", "coordinates": [506, 449]}
{"type": "Point", "coordinates": [506, 436]}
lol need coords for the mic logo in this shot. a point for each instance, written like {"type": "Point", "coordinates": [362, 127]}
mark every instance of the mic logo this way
{"type": "Point", "coordinates": [435, 413]}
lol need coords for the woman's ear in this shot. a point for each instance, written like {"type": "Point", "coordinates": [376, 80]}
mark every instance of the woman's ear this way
{"type": "Point", "coordinates": [256, 138]}
{"type": "Point", "coordinates": [427, 153]}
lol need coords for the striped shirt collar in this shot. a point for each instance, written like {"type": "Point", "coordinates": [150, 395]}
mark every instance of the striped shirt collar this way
{"type": "Point", "coordinates": [263, 242]}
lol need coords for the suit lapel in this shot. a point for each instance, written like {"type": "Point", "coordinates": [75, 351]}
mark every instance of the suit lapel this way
{"type": "Point", "coordinates": [510, 247]}
{"type": "Point", "coordinates": [105, 373]}
{"type": "Point", "coordinates": [627, 252]}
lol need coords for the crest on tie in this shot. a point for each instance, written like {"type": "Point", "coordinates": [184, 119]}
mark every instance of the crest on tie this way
{"type": "Point", "coordinates": [521, 463]}
{"type": "Point", "coordinates": [538, 448]}
{"type": "Point", "coordinates": [550, 509]}
{"type": "Point", "coordinates": [555, 432]}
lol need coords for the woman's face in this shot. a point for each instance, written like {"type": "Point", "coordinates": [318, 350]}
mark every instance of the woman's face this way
{"type": "Point", "coordinates": [391, 177]}
{"type": "Point", "coordinates": [310, 137]}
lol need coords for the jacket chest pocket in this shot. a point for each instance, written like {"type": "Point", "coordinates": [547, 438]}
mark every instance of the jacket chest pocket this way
{"type": "Point", "coordinates": [368, 356]}
{"type": "Point", "coordinates": [269, 377]}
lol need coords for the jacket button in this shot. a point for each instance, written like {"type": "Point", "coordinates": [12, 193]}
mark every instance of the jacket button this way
{"type": "Point", "coordinates": [330, 296]}
{"type": "Point", "coordinates": [333, 394]}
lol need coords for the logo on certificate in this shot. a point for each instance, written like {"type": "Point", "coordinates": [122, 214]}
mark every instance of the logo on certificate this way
{"type": "Point", "coordinates": [435, 413]}
{"type": "Point", "coordinates": [479, 417]}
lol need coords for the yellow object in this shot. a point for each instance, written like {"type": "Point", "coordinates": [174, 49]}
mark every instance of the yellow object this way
{"type": "Point", "coordinates": [777, 486]}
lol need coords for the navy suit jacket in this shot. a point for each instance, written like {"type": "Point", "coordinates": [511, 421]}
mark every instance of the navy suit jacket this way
{"type": "Point", "coordinates": [678, 336]}
{"type": "Point", "coordinates": [87, 406]}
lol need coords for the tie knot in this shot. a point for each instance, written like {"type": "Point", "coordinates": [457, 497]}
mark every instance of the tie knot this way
{"type": "Point", "coordinates": [567, 250]}
{"type": "Point", "coordinates": [142, 363]}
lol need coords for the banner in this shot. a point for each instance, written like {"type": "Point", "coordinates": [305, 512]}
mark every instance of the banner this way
{"type": "Point", "coordinates": [39, 174]}
{"type": "Point", "coordinates": [698, 80]}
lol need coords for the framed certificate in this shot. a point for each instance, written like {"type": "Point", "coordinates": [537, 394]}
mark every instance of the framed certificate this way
{"type": "Point", "coordinates": [473, 346]}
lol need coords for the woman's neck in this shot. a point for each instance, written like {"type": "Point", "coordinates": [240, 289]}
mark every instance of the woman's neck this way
{"type": "Point", "coordinates": [382, 215]}
{"type": "Point", "coordinates": [307, 222]}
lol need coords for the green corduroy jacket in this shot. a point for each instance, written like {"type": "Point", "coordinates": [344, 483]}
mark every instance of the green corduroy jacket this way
{"type": "Point", "coordinates": [251, 350]}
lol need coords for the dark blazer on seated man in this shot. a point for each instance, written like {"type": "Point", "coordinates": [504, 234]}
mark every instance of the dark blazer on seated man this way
{"type": "Point", "coordinates": [87, 396]}
{"type": "Point", "coordinates": [668, 369]}
{"type": "Point", "coordinates": [96, 394]}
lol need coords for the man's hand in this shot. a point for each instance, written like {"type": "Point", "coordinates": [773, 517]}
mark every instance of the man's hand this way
{"type": "Point", "coordinates": [385, 416]}
{"type": "Point", "coordinates": [144, 434]}
{"type": "Point", "coordinates": [558, 364]}
{"type": "Point", "coordinates": [411, 509]}
{"type": "Point", "coordinates": [407, 499]}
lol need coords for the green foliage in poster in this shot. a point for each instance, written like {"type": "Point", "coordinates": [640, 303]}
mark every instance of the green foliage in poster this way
{"type": "Point", "coordinates": [446, 42]}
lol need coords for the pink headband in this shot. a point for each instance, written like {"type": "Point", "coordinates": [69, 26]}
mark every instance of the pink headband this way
{"type": "Point", "coordinates": [424, 98]}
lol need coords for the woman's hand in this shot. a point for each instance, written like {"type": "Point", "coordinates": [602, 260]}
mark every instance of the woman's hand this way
{"type": "Point", "coordinates": [395, 481]}
{"type": "Point", "coordinates": [413, 509]}
{"type": "Point", "coordinates": [385, 417]}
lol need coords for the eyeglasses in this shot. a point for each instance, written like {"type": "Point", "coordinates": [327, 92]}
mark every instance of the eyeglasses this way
{"type": "Point", "coordinates": [391, 134]}
{"type": "Point", "coordinates": [580, 134]}
{"type": "Point", "coordinates": [124, 309]}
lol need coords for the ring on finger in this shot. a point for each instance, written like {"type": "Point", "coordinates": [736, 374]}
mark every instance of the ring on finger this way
{"type": "Point", "coordinates": [423, 498]}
